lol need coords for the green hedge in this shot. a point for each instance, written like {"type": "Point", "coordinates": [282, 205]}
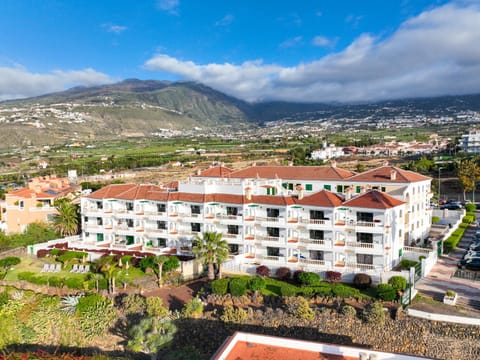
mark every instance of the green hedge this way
{"type": "Point", "coordinates": [238, 286]}
{"type": "Point", "coordinates": [468, 219]}
{"type": "Point", "coordinates": [386, 292]}
{"type": "Point", "coordinates": [407, 264]}
{"type": "Point", "coordinates": [220, 286]}
{"type": "Point", "coordinates": [70, 255]}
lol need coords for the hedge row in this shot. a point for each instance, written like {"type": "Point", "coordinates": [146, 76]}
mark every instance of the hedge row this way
{"type": "Point", "coordinates": [453, 240]}
{"type": "Point", "coordinates": [79, 283]}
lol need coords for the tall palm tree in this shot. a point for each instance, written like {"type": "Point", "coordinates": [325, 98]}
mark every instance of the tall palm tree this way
{"type": "Point", "coordinates": [212, 250]}
{"type": "Point", "coordinates": [160, 260]}
{"type": "Point", "coordinates": [67, 219]}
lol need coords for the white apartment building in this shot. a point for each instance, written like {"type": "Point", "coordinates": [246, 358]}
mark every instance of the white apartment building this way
{"type": "Point", "coordinates": [312, 218]}
{"type": "Point", "coordinates": [470, 143]}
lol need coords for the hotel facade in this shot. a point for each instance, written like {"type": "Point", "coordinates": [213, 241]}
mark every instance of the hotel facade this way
{"type": "Point", "coordinates": [315, 218]}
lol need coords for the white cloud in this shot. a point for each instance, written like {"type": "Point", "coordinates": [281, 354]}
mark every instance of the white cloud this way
{"type": "Point", "coordinates": [17, 82]}
{"type": "Point", "coordinates": [323, 41]}
{"type": "Point", "coordinates": [434, 53]}
{"type": "Point", "coordinates": [225, 21]}
{"type": "Point", "coordinates": [170, 6]}
{"type": "Point", "coordinates": [296, 41]}
{"type": "Point", "coordinates": [117, 29]}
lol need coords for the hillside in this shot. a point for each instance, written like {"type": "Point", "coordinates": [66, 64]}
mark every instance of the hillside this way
{"type": "Point", "coordinates": [138, 108]}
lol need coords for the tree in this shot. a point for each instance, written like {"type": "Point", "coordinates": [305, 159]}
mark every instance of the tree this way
{"type": "Point", "coordinates": [160, 260]}
{"type": "Point", "coordinates": [67, 219]}
{"type": "Point", "coordinates": [212, 250]}
{"type": "Point", "coordinates": [468, 173]}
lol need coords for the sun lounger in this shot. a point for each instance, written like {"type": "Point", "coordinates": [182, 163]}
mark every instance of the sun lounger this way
{"type": "Point", "coordinates": [58, 267]}
{"type": "Point", "coordinates": [45, 268]}
{"type": "Point", "coordinates": [51, 268]}
{"type": "Point", "coordinates": [74, 268]}
{"type": "Point", "coordinates": [80, 268]}
{"type": "Point", "coordinates": [86, 268]}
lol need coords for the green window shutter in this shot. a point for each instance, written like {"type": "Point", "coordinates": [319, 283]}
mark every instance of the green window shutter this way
{"type": "Point", "coordinates": [357, 189]}
{"type": "Point", "coordinates": [308, 187]}
{"type": "Point", "coordinates": [99, 237]}
{"type": "Point", "coordinates": [290, 186]}
{"type": "Point", "coordinates": [273, 191]}
{"type": "Point", "coordinates": [339, 188]}
{"type": "Point", "coordinates": [327, 187]}
{"type": "Point", "coordinates": [284, 185]}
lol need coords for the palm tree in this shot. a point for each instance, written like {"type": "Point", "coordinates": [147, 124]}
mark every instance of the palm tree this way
{"type": "Point", "coordinates": [67, 219]}
{"type": "Point", "coordinates": [160, 260]}
{"type": "Point", "coordinates": [212, 250]}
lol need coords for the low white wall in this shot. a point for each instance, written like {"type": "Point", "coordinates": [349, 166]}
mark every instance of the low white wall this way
{"type": "Point", "coordinates": [445, 318]}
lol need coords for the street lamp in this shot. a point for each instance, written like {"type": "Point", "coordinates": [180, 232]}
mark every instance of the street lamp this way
{"type": "Point", "coordinates": [440, 168]}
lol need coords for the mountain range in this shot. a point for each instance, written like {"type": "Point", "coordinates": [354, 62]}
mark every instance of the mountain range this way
{"type": "Point", "coordinates": [145, 107]}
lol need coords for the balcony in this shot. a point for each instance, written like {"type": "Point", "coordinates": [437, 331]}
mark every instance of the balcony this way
{"type": "Point", "coordinates": [310, 262]}
{"type": "Point", "coordinates": [363, 267]}
{"type": "Point", "coordinates": [155, 231]}
{"type": "Point", "coordinates": [270, 220]}
{"type": "Point", "coordinates": [316, 223]}
{"type": "Point", "coordinates": [266, 238]}
{"type": "Point", "coordinates": [271, 259]}
{"type": "Point", "coordinates": [156, 216]}
{"type": "Point", "coordinates": [315, 244]}
{"type": "Point", "coordinates": [229, 218]}
{"type": "Point", "coordinates": [365, 248]}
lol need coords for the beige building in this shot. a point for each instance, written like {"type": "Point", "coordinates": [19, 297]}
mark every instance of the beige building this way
{"type": "Point", "coordinates": [35, 202]}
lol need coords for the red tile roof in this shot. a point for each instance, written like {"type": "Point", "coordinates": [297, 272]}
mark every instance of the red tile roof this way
{"type": "Point", "coordinates": [322, 198]}
{"type": "Point", "coordinates": [293, 173]}
{"type": "Point", "coordinates": [53, 193]}
{"type": "Point", "coordinates": [383, 174]}
{"type": "Point", "coordinates": [125, 191]}
{"type": "Point", "coordinates": [217, 171]}
{"type": "Point", "coordinates": [374, 200]}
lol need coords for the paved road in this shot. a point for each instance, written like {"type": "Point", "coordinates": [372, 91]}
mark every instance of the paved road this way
{"type": "Point", "coordinates": [441, 277]}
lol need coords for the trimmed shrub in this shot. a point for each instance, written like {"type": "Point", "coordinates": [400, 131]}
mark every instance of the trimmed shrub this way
{"type": "Point", "coordinates": [468, 219]}
{"type": "Point", "coordinates": [288, 290]}
{"type": "Point", "coordinates": [263, 271]}
{"type": "Point", "coordinates": [237, 286]}
{"type": "Point", "coordinates": [324, 291]}
{"type": "Point", "coordinates": [308, 278]}
{"type": "Point", "coordinates": [386, 292]}
{"type": "Point", "coordinates": [296, 274]}
{"type": "Point", "coordinates": [220, 286]}
{"type": "Point", "coordinates": [333, 276]}
{"type": "Point", "coordinates": [55, 281]}
{"type": "Point", "coordinates": [55, 252]}
{"type": "Point", "coordinates": [374, 314]}
{"type": "Point", "coordinates": [344, 291]}
{"type": "Point", "coordinates": [74, 283]}
{"type": "Point", "coordinates": [257, 283]}
{"type": "Point", "coordinates": [470, 207]}
{"type": "Point", "coordinates": [26, 275]}
{"type": "Point", "coordinates": [362, 281]}
{"type": "Point", "coordinates": [70, 255]}
{"type": "Point", "coordinates": [348, 311]}
{"type": "Point", "coordinates": [398, 282]}
{"type": "Point", "coordinates": [307, 292]}
{"type": "Point", "coordinates": [407, 264]}
{"type": "Point", "coordinates": [283, 273]}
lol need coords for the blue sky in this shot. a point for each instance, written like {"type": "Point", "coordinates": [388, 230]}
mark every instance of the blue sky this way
{"type": "Point", "coordinates": [304, 50]}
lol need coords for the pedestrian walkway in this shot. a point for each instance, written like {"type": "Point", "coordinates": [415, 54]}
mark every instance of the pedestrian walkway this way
{"type": "Point", "coordinates": [441, 277]}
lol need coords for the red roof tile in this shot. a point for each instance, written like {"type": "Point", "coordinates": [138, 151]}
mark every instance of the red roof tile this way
{"type": "Point", "coordinates": [293, 173]}
{"type": "Point", "coordinates": [374, 200]}
{"type": "Point", "coordinates": [384, 174]}
{"type": "Point", "coordinates": [322, 198]}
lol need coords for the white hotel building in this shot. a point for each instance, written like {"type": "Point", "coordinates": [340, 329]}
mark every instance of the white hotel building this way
{"type": "Point", "coordinates": [314, 218]}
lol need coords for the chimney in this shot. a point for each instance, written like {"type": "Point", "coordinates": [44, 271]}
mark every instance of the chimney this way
{"type": "Point", "coordinates": [393, 175]}
{"type": "Point", "coordinates": [333, 163]}
{"type": "Point", "coordinates": [348, 193]}
{"type": "Point", "coordinates": [248, 193]}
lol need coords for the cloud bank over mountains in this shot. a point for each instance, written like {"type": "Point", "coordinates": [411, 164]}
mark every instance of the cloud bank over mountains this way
{"type": "Point", "coordinates": [434, 53]}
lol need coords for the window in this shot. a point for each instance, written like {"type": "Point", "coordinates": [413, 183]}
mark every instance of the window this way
{"type": "Point", "coordinates": [85, 219]}
{"type": "Point", "coordinates": [271, 231]}
{"type": "Point", "coordinates": [285, 185]}
{"type": "Point", "coordinates": [273, 213]}
{"type": "Point", "coordinates": [308, 187]}
{"type": "Point", "coordinates": [161, 224]}
{"type": "Point", "coordinates": [316, 234]}
{"type": "Point", "coordinates": [99, 221]}
{"type": "Point", "coordinates": [317, 215]}
{"type": "Point", "coordinates": [271, 191]}
{"type": "Point", "coordinates": [232, 229]}
{"type": "Point", "coordinates": [195, 227]}
{"type": "Point", "coordinates": [130, 239]}
{"type": "Point", "coordinates": [290, 186]}
{"type": "Point", "coordinates": [99, 205]}
{"type": "Point", "coordinates": [316, 255]}
{"type": "Point", "coordinates": [162, 242]}
{"type": "Point", "coordinates": [327, 187]}
{"type": "Point", "coordinates": [273, 251]}
{"type": "Point", "coordinates": [99, 237]}
{"type": "Point", "coordinates": [383, 189]}
{"type": "Point", "coordinates": [161, 208]}
{"type": "Point", "coordinates": [365, 259]}
{"type": "Point", "coordinates": [195, 209]}
{"type": "Point", "coordinates": [129, 206]}
{"type": "Point", "coordinates": [364, 217]}
{"type": "Point", "coordinates": [365, 238]}
{"type": "Point", "coordinates": [129, 222]}
{"type": "Point", "coordinates": [233, 249]}
{"type": "Point", "coordinates": [232, 210]}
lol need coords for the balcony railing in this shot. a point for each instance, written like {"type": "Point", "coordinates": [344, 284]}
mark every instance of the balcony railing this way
{"type": "Point", "coordinates": [316, 221]}
{"type": "Point", "coordinates": [270, 219]}
{"type": "Point", "coordinates": [268, 238]}
{"type": "Point", "coordinates": [312, 262]}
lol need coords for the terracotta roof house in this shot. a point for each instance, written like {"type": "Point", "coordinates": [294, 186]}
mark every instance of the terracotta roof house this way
{"type": "Point", "coordinates": [35, 202]}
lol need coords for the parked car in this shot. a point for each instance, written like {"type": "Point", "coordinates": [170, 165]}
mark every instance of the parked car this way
{"type": "Point", "coordinates": [451, 206]}
{"type": "Point", "coordinates": [471, 254]}
{"type": "Point", "coordinates": [471, 264]}
{"type": "Point", "coordinates": [475, 246]}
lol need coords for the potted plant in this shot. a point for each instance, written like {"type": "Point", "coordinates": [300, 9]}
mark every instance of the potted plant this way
{"type": "Point", "coordinates": [450, 297]}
